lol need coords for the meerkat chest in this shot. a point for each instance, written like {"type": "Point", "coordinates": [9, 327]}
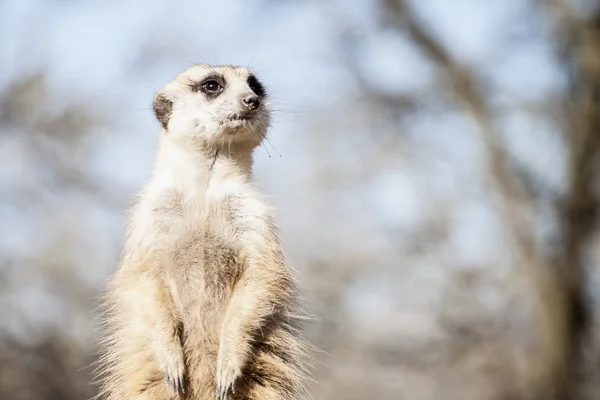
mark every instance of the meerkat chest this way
{"type": "Point", "coordinates": [207, 257]}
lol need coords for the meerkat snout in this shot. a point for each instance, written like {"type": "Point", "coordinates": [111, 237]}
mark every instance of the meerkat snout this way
{"type": "Point", "coordinates": [251, 101]}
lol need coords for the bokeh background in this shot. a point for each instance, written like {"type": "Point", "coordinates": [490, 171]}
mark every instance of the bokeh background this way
{"type": "Point", "coordinates": [433, 164]}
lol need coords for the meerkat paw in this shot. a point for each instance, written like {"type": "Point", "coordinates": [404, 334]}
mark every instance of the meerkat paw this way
{"type": "Point", "coordinates": [172, 366]}
{"type": "Point", "coordinates": [229, 369]}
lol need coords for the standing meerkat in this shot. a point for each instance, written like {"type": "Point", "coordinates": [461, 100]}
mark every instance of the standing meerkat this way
{"type": "Point", "coordinates": [203, 304]}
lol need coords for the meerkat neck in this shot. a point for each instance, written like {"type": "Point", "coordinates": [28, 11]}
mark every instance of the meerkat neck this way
{"type": "Point", "coordinates": [190, 164]}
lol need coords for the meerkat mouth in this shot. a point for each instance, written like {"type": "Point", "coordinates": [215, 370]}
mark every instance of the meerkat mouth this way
{"type": "Point", "coordinates": [241, 117]}
{"type": "Point", "coordinates": [237, 120]}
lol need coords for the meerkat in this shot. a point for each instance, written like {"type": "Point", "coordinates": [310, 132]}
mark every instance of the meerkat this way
{"type": "Point", "coordinates": [203, 304]}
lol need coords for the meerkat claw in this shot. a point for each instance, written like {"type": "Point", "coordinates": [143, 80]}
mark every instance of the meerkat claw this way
{"type": "Point", "coordinates": [226, 382]}
{"type": "Point", "coordinates": [181, 385]}
{"type": "Point", "coordinates": [173, 366]}
{"type": "Point", "coordinates": [168, 380]}
{"type": "Point", "coordinates": [222, 392]}
{"type": "Point", "coordinates": [175, 383]}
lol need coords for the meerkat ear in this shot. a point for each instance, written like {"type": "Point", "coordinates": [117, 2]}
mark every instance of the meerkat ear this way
{"type": "Point", "coordinates": [163, 108]}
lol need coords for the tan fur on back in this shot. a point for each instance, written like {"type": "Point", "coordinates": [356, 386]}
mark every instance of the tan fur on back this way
{"type": "Point", "coordinates": [203, 293]}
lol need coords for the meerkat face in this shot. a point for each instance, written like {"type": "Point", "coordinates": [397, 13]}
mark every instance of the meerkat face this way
{"type": "Point", "coordinates": [220, 105]}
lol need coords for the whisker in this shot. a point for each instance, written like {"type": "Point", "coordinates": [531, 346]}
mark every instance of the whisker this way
{"type": "Point", "coordinates": [264, 137]}
{"type": "Point", "coordinates": [260, 138]}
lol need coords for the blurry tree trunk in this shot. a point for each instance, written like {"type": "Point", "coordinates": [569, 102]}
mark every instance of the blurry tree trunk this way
{"type": "Point", "coordinates": [582, 49]}
{"type": "Point", "coordinates": [561, 310]}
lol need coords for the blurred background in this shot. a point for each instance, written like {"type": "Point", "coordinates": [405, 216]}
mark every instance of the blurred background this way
{"type": "Point", "coordinates": [433, 164]}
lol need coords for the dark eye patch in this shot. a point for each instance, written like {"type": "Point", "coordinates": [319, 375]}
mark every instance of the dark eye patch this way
{"type": "Point", "coordinates": [211, 86]}
{"type": "Point", "coordinates": [256, 86]}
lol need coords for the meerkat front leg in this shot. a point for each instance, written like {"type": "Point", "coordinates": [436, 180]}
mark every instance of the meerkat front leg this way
{"type": "Point", "coordinates": [159, 317]}
{"type": "Point", "coordinates": [264, 289]}
{"type": "Point", "coordinates": [167, 341]}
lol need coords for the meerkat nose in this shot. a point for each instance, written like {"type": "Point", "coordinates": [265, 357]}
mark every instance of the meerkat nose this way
{"type": "Point", "coordinates": [251, 101]}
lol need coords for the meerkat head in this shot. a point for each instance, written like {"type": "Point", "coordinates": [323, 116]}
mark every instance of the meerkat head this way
{"type": "Point", "coordinates": [218, 105]}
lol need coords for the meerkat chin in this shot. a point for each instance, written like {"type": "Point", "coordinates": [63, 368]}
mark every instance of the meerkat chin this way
{"type": "Point", "coordinates": [203, 304]}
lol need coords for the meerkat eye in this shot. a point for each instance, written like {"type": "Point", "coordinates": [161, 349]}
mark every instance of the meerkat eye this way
{"type": "Point", "coordinates": [211, 86]}
{"type": "Point", "coordinates": [256, 86]}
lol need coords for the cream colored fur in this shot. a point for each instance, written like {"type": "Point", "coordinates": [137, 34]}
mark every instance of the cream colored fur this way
{"type": "Point", "coordinates": [203, 296]}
